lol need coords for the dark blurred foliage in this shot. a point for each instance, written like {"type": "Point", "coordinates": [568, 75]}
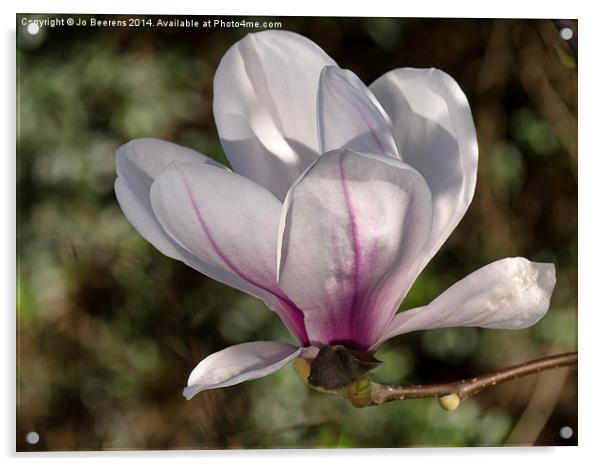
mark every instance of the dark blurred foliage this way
{"type": "Point", "coordinates": [109, 329]}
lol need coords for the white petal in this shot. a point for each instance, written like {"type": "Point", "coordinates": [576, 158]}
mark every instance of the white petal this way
{"type": "Point", "coordinates": [220, 217]}
{"type": "Point", "coordinates": [138, 163]}
{"type": "Point", "coordinates": [350, 235]}
{"type": "Point", "coordinates": [350, 117]}
{"type": "Point", "coordinates": [265, 92]}
{"type": "Point", "coordinates": [435, 134]}
{"type": "Point", "coordinates": [236, 364]}
{"type": "Point", "coordinates": [231, 224]}
{"type": "Point", "coordinates": [511, 293]}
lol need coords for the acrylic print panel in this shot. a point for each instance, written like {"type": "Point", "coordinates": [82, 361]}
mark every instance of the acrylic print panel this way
{"type": "Point", "coordinates": [235, 209]}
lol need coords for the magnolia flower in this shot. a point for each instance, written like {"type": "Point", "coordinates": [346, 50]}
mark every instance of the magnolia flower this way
{"type": "Point", "coordinates": [340, 196]}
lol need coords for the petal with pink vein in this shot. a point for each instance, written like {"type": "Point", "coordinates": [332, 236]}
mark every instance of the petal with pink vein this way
{"type": "Point", "coordinates": [350, 117]}
{"type": "Point", "coordinates": [350, 237]}
{"type": "Point", "coordinates": [230, 222]}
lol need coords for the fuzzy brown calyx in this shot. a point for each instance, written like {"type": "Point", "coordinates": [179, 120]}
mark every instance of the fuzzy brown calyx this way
{"type": "Point", "coordinates": [336, 367]}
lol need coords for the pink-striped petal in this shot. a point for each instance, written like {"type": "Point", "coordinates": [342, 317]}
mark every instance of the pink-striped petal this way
{"type": "Point", "coordinates": [350, 236]}
{"type": "Point", "coordinates": [350, 117]}
{"type": "Point", "coordinates": [138, 163]}
{"type": "Point", "coordinates": [229, 222]}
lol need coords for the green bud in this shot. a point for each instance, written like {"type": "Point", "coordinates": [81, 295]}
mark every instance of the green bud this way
{"type": "Point", "coordinates": [360, 393]}
{"type": "Point", "coordinates": [449, 402]}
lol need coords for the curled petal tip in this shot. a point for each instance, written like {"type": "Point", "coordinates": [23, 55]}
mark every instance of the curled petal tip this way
{"type": "Point", "coordinates": [547, 274]}
{"type": "Point", "coordinates": [190, 392]}
{"type": "Point", "coordinates": [511, 293]}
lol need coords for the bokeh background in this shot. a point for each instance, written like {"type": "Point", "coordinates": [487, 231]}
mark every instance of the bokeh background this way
{"type": "Point", "coordinates": [109, 329]}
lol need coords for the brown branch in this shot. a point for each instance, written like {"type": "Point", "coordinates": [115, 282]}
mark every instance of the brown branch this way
{"type": "Point", "coordinates": [450, 394]}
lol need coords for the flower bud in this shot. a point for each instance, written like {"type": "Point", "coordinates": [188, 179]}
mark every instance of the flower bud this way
{"type": "Point", "coordinates": [360, 393]}
{"type": "Point", "coordinates": [449, 402]}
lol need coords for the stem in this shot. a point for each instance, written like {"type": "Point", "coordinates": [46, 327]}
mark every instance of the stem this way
{"type": "Point", "coordinates": [468, 387]}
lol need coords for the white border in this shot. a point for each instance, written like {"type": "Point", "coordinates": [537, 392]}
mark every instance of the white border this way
{"type": "Point", "coordinates": [457, 8]}
{"type": "Point", "coordinates": [590, 235]}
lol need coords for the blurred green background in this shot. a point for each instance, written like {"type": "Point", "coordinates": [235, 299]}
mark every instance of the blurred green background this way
{"type": "Point", "coordinates": [109, 329]}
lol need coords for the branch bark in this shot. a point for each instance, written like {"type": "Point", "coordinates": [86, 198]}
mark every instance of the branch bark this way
{"type": "Point", "coordinates": [450, 394]}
